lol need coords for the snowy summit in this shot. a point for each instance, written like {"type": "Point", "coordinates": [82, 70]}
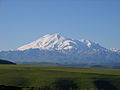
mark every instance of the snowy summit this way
{"type": "Point", "coordinates": [58, 42]}
{"type": "Point", "coordinates": [58, 49]}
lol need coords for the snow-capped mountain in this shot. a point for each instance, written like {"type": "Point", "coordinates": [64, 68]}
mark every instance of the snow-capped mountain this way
{"type": "Point", "coordinates": [58, 49]}
{"type": "Point", "coordinates": [58, 42]}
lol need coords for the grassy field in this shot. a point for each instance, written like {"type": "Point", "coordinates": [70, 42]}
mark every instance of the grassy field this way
{"type": "Point", "coordinates": [59, 77]}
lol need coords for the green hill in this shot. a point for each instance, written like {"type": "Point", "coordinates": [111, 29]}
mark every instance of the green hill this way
{"type": "Point", "coordinates": [31, 77]}
{"type": "Point", "coordinates": [5, 62]}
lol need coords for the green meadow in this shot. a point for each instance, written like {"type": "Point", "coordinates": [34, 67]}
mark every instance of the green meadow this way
{"type": "Point", "coordinates": [57, 77]}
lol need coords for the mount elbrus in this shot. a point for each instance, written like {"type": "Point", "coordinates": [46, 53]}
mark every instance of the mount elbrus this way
{"type": "Point", "coordinates": [54, 48]}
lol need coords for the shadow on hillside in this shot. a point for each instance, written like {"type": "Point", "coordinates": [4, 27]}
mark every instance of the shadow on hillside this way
{"type": "Point", "coordinates": [64, 84]}
{"type": "Point", "coordinates": [59, 84]}
{"type": "Point", "coordinates": [104, 85]}
{"type": "Point", "coordinates": [2, 87]}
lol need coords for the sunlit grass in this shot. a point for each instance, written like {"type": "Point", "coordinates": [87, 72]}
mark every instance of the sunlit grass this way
{"type": "Point", "coordinates": [41, 76]}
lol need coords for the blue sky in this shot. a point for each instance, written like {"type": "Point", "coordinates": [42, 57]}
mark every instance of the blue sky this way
{"type": "Point", "coordinates": [22, 21]}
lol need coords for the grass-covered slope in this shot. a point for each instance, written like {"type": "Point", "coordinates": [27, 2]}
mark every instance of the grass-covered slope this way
{"type": "Point", "coordinates": [59, 77]}
{"type": "Point", "coordinates": [5, 62]}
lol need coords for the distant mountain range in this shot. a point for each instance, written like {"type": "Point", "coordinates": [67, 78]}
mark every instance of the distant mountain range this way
{"type": "Point", "coordinates": [54, 48]}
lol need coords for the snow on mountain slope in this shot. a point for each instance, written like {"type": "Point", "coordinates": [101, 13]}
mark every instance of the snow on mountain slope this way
{"type": "Point", "coordinates": [57, 49]}
{"type": "Point", "coordinates": [58, 42]}
{"type": "Point", "coordinates": [115, 50]}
